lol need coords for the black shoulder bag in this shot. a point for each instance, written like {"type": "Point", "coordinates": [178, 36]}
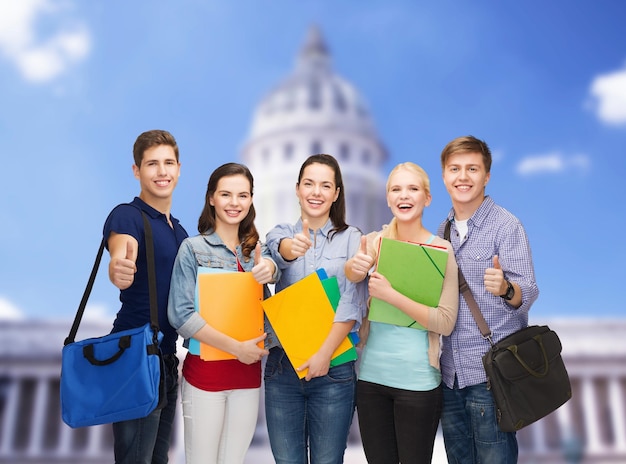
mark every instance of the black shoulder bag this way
{"type": "Point", "coordinates": [525, 371]}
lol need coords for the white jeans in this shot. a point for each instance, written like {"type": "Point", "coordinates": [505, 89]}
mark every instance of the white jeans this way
{"type": "Point", "coordinates": [219, 426]}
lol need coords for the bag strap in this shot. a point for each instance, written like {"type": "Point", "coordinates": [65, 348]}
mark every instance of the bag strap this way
{"type": "Point", "coordinates": [152, 288]}
{"type": "Point", "coordinates": [83, 302]}
{"type": "Point", "coordinates": [469, 298]}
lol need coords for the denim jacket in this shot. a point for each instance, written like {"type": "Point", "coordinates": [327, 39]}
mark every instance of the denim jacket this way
{"type": "Point", "coordinates": [207, 250]}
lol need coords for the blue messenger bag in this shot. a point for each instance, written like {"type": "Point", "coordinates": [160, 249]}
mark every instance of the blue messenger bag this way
{"type": "Point", "coordinates": [119, 376]}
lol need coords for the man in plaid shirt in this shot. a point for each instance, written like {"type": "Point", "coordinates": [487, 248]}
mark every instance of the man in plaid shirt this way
{"type": "Point", "coordinates": [492, 251]}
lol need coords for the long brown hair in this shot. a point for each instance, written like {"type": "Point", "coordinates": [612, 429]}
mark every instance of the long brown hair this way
{"type": "Point", "coordinates": [248, 234]}
{"type": "Point", "coordinates": [338, 208]}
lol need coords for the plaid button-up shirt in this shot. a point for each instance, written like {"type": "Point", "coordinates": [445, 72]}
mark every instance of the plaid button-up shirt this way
{"type": "Point", "coordinates": [492, 230]}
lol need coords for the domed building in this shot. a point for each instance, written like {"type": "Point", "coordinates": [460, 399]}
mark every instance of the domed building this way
{"type": "Point", "coordinates": [312, 111]}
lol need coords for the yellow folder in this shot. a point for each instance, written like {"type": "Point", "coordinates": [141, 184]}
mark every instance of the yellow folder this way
{"type": "Point", "coordinates": [414, 269]}
{"type": "Point", "coordinates": [231, 303]}
{"type": "Point", "coordinates": [302, 317]}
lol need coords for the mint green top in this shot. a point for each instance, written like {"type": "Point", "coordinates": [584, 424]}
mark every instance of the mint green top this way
{"type": "Point", "coordinates": [397, 357]}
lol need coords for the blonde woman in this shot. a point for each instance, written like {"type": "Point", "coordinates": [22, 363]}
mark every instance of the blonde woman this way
{"type": "Point", "coordinates": [399, 393]}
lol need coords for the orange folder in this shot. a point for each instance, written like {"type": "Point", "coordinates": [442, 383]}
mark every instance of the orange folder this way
{"type": "Point", "coordinates": [302, 317]}
{"type": "Point", "coordinates": [231, 303]}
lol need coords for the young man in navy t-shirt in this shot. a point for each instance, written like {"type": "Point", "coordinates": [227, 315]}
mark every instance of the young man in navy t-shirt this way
{"type": "Point", "coordinates": [157, 168]}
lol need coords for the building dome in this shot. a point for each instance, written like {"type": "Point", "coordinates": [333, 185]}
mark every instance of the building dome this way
{"type": "Point", "coordinates": [312, 96]}
{"type": "Point", "coordinates": [315, 111]}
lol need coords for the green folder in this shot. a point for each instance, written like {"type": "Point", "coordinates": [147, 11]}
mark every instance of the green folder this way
{"type": "Point", "coordinates": [331, 287]}
{"type": "Point", "coordinates": [414, 269]}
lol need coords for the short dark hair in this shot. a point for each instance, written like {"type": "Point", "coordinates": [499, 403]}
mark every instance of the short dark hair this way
{"type": "Point", "coordinates": [152, 138]}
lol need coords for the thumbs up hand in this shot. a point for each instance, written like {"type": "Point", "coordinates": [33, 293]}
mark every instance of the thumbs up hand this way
{"type": "Point", "coordinates": [361, 261]}
{"type": "Point", "coordinates": [122, 269]}
{"type": "Point", "coordinates": [494, 278]}
{"type": "Point", "coordinates": [263, 269]}
{"type": "Point", "coordinates": [301, 241]}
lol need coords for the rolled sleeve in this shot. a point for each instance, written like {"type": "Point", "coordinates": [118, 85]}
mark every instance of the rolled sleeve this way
{"type": "Point", "coordinates": [353, 299]}
{"type": "Point", "coordinates": [273, 239]}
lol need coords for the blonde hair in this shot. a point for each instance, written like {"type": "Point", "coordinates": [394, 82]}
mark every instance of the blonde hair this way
{"type": "Point", "coordinates": [415, 169]}
{"type": "Point", "coordinates": [391, 231]}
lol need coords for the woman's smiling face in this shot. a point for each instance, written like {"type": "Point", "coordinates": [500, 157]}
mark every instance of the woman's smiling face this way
{"type": "Point", "coordinates": [317, 192]}
{"type": "Point", "coordinates": [232, 199]}
{"type": "Point", "coordinates": [406, 195]}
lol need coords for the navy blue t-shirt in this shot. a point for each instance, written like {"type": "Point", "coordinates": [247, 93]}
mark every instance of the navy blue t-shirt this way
{"type": "Point", "coordinates": [135, 310]}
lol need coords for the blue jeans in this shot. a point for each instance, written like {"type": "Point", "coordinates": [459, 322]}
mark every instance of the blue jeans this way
{"type": "Point", "coordinates": [470, 428]}
{"type": "Point", "coordinates": [308, 416]}
{"type": "Point", "coordinates": [147, 440]}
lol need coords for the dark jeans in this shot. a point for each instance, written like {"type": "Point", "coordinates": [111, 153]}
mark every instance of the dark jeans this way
{"type": "Point", "coordinates": [397, 425]}
{"type": "Point", "coordinates": [470, 428]}
{"type": "Point", "coordinates": [147, 440]}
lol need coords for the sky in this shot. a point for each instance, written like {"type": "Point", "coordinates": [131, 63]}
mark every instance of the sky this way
{"type": "Point", "coordinates": [544, 83]}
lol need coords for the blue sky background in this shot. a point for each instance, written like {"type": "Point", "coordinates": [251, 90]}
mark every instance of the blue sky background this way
{"type": "Point", "coordinates": [544, 83]}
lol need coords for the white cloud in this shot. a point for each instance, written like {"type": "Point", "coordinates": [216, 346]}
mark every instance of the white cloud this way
{"type": "Point", "coordinates": [553, 162]}
{"type": "Point", "coordinates": [97, 313]}
{"type": "Point", "coordinates": [608, 92]}
{"type": "Point", "coordinates": [41, 59]}
{"type": "Point", "coordinates": [8, 311]}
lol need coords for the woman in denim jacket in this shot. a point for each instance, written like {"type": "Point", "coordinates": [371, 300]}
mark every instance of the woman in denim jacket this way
{"type": "Point", "coordinates": [312, 416]}
{"type": "Point", "coordinates": [220, 398]}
